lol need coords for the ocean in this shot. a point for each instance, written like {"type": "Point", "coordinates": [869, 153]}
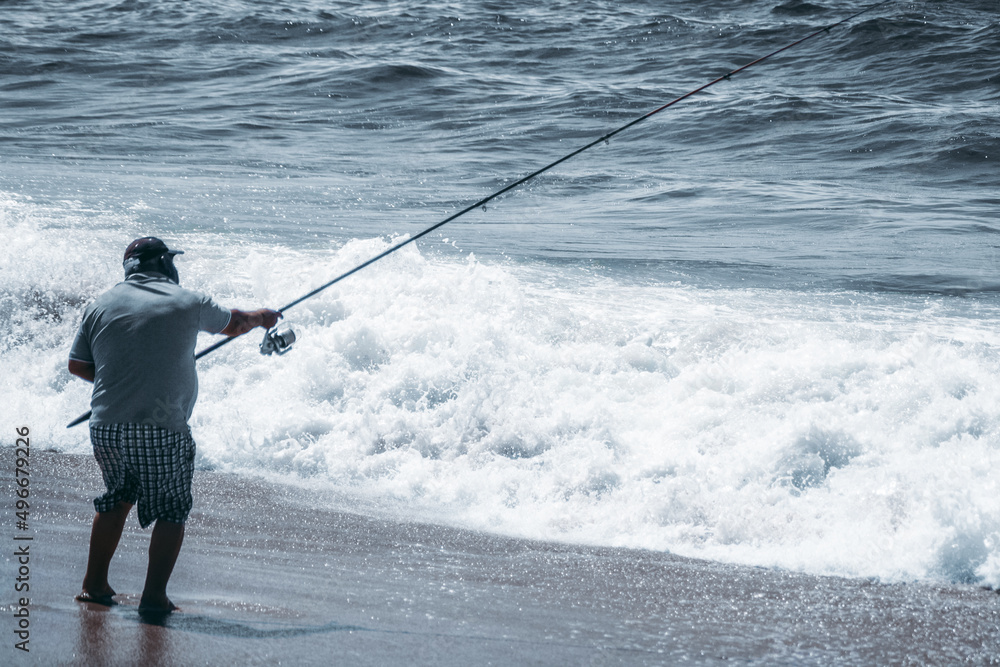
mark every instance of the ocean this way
{"type": "Point", "coordinates": [762, 327]}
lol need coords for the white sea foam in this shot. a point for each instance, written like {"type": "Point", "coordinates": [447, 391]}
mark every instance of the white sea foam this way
{"type": "Point", "coordinates": [840, 433]}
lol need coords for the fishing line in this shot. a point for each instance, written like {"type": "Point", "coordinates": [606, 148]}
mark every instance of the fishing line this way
{"type": "Point", "coordinates": [521, 181]}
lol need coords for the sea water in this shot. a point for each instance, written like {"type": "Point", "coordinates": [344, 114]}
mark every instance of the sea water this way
{"type": "Point", "coordinates": [762, 327]}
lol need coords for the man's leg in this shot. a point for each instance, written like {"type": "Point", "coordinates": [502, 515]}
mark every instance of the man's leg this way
{"type": "Point", "coordinates": [164, 546]}
{"type": "Point", "coordinates": [104, 536]}
{"type": "Point", "coordinates": [166, 464]}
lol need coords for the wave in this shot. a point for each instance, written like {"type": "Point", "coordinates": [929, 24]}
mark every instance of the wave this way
{"type": "Point", "coordinates": [845, 433]}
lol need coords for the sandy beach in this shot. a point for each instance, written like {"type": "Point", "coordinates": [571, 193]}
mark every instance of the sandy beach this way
{"type": "Point", "coordinates": [267, 578]}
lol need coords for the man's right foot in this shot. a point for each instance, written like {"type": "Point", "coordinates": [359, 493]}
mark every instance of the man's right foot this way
{"type": "Point", "coordinates": [104, 598]}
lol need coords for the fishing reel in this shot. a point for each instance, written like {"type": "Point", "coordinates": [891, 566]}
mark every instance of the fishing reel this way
{"type": "Point", "coordinates": [277, 342]}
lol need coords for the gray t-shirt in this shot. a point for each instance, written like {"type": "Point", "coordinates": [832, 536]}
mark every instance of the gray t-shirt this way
{"type": "Point", "coordinates": [140, 335]}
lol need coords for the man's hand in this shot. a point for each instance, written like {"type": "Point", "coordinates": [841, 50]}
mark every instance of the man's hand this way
{"type": "Point", "coordinates": [242, 321]}
{"type": "Point", "coordinates": [82, 369]}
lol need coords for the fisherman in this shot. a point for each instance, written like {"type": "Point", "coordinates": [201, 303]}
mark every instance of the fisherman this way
{"type": "Point", "coordinates": [136, 344]}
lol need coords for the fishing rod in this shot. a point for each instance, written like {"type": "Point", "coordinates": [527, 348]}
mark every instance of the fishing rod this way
{"type": "Point", "coordinates": [279, 343]}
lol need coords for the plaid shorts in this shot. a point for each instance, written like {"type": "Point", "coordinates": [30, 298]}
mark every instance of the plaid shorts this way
{"type": "Point", "coordinates": [145, 465]}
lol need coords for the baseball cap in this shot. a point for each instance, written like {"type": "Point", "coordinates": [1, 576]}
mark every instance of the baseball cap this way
{"type": "Point", "coordinates": [146, 248]}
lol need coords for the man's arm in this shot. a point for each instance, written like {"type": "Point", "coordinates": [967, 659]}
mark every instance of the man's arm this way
{"type": "Point", "coordinates": [241, 321]}
{"type": "Point", "coordinates": [82, 369]}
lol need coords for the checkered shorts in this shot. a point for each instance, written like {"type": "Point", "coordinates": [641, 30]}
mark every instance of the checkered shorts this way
{"type": "Point", "coordinates": [145, 465]}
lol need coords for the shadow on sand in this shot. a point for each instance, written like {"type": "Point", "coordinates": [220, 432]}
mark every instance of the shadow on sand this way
{"type": "Point", "coordinates": [224, 628]}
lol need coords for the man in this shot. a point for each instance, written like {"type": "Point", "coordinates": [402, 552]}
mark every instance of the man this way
{"type": "Point", "coordinates": [136, 344]}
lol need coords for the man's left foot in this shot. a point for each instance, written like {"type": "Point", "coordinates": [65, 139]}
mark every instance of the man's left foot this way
{"type": "Point", "coordinates": [160, 606]}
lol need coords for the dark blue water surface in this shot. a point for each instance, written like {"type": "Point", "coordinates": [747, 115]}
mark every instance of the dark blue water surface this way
{"type": "Point", "coordinates": [862, 159]}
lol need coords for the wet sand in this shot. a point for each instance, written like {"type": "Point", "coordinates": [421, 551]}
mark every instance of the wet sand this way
{"type": "Point", "coordinates": [268, 576]}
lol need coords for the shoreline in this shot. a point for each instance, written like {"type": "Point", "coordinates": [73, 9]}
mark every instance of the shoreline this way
{"type": "Point", "coordinates": [266, 576]}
